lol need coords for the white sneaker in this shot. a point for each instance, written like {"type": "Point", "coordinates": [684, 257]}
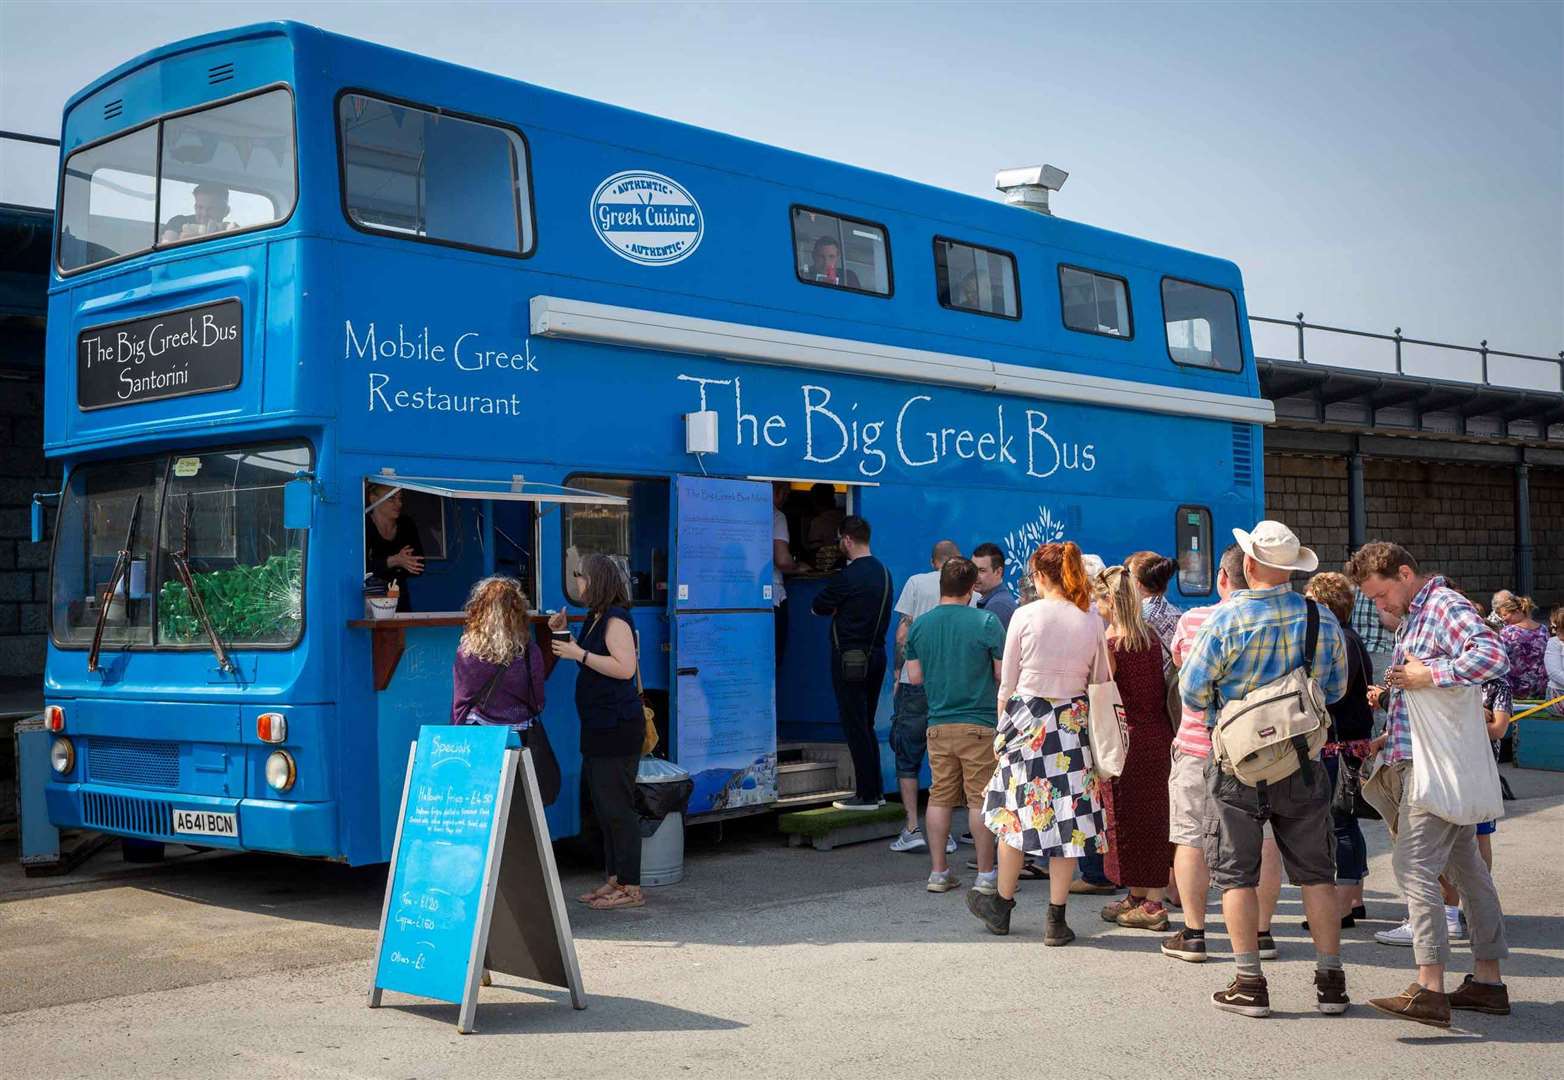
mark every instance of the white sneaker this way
{"type": "Point", "coordinates": [910, 840]}
{"type": "Point", "coordinates": [950, 845]}
{"type": "Point", "coordinates": [1455, 924]}
{"type": "Point", "coordinates": [1401, 935]}
{"type": "Point", "coordinates": [939, 883]}
{"type": "Point", "coordinates": [987, 883]}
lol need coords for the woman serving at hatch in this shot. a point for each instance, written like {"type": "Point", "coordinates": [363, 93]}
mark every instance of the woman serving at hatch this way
{"type": "Point", "coordinates": [392, 549]}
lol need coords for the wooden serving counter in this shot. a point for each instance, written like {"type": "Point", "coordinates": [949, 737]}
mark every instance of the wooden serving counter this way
{"type": "Point", "coordinates": [388, 635]}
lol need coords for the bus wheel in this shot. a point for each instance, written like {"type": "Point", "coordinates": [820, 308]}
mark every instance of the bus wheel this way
{"type": "Point", "coordinates": [141, 851]}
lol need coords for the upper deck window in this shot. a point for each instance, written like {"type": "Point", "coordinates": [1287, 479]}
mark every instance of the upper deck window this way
{"type": "Point", "coordinates": [976, 279]}
{"type": "Point", "coordinates": [227, 168]}
{"type": "Point", "coordinates": [840, 252]}
{"type": "Point", "coordinates": [1202, 325]}
{"type": "Point", "coordinates": [433, 176]}
{"type": "Point", "coordinates": [224, 168]}
{"type": "Point", "coordinates": [1095, 303]}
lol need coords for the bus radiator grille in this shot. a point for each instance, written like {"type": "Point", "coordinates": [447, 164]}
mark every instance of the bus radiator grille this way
{"type": "Point", "coordinates": [122, 813]}
{"type": "Point", "coordinates": [131, 761]}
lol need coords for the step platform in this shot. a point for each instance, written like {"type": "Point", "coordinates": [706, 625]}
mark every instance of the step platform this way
{"type": "Point", "coordinates": [828, 827]}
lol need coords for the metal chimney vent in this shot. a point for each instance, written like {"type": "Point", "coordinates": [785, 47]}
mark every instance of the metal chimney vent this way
{"type": "Point", "coordinates": [112, 109]}
{"type": "Point", "coordinates": [1028, 188]}
{"type": "Point", "coordinates": [220, 73]}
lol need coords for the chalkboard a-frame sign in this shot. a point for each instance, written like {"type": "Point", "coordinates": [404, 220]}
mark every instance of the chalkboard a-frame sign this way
{"type": "Point", "coordinates": [472, 884]}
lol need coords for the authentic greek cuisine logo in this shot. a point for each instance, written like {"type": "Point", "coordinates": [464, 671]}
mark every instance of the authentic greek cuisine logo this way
{"type": "Point", "coordinates": [647, 218]}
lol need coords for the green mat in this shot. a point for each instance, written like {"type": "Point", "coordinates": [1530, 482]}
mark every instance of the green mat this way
{"type": "Point", "coordinates": [828, 819]}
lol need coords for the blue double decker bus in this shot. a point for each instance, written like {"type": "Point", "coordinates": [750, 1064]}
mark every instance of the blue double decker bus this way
{"type": "Point", "coordinates": [297, 275]}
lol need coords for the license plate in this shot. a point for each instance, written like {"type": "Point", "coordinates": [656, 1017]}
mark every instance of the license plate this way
{"type": "Point", "coordinates": [205, 823]}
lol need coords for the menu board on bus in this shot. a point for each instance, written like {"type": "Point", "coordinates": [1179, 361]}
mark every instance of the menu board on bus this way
{"type": "Point", "coordinates": [194, 350]}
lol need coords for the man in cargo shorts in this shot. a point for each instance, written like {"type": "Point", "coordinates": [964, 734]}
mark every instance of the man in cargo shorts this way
{"type": "Point", "coordinates": [1188, 800]}
{"type": "Point", "coordinates": [953, 653]}
{"type": "Point", "coordinates": [1254, 639]}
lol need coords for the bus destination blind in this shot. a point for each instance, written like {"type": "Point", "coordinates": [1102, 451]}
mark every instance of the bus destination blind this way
{"type": "Point", "coordinates": [191, 351]}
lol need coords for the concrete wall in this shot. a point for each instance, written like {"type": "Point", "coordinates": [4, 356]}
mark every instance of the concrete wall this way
{"type": "Point", "coordinates": [1456, 519]}
{"type": "Point", "coordinates": [23, 564]}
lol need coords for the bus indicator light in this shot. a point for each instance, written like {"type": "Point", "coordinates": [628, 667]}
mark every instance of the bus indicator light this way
{"type": "Point", "coordinates": [54, 719]}
{"type": "Point", "coordinates": [271, 727]}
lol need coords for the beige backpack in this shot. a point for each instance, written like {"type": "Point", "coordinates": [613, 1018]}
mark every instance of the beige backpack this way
{"type": "Point", "coordinates": [1276, 729]}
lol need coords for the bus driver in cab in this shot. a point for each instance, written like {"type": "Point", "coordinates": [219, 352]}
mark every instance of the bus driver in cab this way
{"type": "Point", "coordinates": [211, 215]}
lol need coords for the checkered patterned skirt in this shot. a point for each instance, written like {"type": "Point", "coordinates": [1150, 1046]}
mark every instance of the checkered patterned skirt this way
{"type": "Point", "coordinates": [1045, 797]}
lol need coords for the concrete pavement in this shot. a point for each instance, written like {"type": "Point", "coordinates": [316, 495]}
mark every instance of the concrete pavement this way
{"type": "Point", "coordinates": [766, 960]}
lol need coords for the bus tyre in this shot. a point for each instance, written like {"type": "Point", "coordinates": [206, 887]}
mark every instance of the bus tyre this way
{"type": "Point", "coordinates": [141, 851]}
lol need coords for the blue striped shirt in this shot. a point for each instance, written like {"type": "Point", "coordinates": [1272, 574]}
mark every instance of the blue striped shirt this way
{"type": "Point", "coordinates": [1256, 638]}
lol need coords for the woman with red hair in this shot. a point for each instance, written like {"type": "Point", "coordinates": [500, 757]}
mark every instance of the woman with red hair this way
{"type": "Point", "coordinates": [1045, 798]}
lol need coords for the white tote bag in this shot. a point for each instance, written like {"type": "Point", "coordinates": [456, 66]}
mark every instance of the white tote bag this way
{"type": "Point", "coordinates": [1106, 728]}
{"type": "Point", "coordinates": [1454, 776]}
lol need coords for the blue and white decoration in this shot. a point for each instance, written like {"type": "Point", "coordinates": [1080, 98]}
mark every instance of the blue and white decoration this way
{"type": "Point", "coordinates": [647, 218]}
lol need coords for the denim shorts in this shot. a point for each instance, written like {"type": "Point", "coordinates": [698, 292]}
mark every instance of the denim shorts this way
{"type": "Point", "coordinates": [909, 729]}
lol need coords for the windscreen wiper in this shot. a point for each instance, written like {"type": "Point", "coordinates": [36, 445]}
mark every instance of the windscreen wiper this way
{"type": "Point", "coordinates": [182, 568]}
{"type": "Point", "coordinates": [121, 569]}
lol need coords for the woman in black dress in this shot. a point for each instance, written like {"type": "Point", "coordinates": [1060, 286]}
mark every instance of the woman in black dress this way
{"type": "Point", "coordinates": [612, 724]}
{"type": "Point", "coordinates": [391, 541]}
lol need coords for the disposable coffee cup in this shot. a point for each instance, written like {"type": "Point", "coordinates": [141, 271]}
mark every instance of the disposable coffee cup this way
{"type": "Point", "coordinates": [560, 635]}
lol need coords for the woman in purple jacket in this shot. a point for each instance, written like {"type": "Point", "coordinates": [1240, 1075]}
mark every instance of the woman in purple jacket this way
{"type": "Point", "coordinates": [499, 671]}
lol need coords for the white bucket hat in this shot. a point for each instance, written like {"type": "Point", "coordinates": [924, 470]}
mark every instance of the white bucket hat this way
{"type": "Point", "coordinates": [1273, 544]}
{"type": "Point", "coordinates": [1093, 565]}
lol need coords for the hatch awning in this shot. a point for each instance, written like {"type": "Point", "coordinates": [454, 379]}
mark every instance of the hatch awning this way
{"type": "Point", "coordinates": [515, 489]}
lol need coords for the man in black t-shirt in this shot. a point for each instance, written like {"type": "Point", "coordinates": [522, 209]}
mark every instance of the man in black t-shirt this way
{"type": "Point", "coordinates": [858, 599]}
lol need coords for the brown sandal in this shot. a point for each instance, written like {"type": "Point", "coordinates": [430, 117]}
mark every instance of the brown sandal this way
{"type": "Point", "coordinates": [624, 898]}
{"type": "Point", "coordinates": [602, 892]}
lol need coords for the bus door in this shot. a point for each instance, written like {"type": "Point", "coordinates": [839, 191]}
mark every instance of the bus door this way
{"type": "Point", "coordinates": [723, 629]}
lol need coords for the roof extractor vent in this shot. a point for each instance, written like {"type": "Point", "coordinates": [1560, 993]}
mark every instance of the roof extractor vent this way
{"type": "Point", "coordinates": [1028, 188]}
{"type": "Point", "coordinates": [220, 73]}
{"type": "Point", "coordinates": [112, 110]}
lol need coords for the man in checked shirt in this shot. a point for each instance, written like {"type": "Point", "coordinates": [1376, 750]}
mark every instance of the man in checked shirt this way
{"type": "Point", "coordinates": [1442, 642]}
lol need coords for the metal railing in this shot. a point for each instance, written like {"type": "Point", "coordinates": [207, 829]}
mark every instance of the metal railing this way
{"type": "Point", "coordinates": [1368, 350]}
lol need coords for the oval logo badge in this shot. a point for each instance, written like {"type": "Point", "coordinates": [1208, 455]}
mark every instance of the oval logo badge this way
{"type": "Point", "coordinates": [647, 218]}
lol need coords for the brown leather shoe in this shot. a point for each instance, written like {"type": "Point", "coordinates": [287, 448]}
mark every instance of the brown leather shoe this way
{"type": "Point", "coordinates": [1481, 997]}
{"type": "Point", "coordinates": [1417, 1004]}
{"type": "Point", "coordinates": [1081, 885]}
{"type": "Point", "coordinates": [1118, 907]}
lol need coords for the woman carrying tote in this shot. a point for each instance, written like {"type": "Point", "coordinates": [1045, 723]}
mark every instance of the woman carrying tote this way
{"type": "Point", "coordinates": [1044, 798]}
{"type": "Point", "coordinates": [1136, 801]}
{"type": "Point", "coordinates": [499, 671]}
{"type": "Point", "coordinates": [612, 724]}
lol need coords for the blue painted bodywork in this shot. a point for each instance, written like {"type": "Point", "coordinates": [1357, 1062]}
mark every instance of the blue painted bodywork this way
{"type": "Point", "coordinates": [341, 329]}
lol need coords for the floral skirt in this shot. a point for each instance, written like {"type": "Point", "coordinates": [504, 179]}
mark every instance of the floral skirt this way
{"type": "Point", "coordinates": [1045, 796]}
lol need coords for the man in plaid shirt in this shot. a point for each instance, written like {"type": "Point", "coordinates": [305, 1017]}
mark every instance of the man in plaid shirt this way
{"type": "Point", "coordinates": [1253, 639]}
{"type": "Point", "coordinates": [1442, 642]}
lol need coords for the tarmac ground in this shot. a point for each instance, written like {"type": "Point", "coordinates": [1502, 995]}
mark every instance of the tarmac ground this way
{"type": "Point", "coordinates": [766, 961]}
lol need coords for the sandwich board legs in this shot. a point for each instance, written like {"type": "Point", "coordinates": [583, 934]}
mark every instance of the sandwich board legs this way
{"type": "Point", "coordinates": [385, 908]}
{"type": "Point", "coordinates": [476, 971]}
{"type": "Point", "coordinates": [556, 894]}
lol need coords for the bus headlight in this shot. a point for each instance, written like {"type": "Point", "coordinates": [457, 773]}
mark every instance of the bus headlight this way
{"type": "Point", "coordinates": [62, 756]}
{"type": "Point", "coordinates": [280, 772]}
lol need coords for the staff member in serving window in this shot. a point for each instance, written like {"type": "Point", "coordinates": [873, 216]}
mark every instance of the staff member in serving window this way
{"type": "Point", "coordinates": [392, 549]}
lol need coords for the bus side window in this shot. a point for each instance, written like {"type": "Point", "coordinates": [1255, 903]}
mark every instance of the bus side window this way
{"type": "Point", "coordinates": [840, 252]}
{"type": "Point", "coordinates": [634, 535]}
{"type": "Point", "coordinates": [1192, 532]}
{"type": "Point", "coordinates": [976, 279]}
{"type": "Point", "coordinates": [1202, 325]}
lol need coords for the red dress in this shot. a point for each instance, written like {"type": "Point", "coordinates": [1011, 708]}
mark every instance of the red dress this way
{"type": "Point", "coordinates": [1139, 854]}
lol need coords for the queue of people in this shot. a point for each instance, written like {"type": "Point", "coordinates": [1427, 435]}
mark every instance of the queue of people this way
{"type": "Point", "coordinates": [1202, 797]}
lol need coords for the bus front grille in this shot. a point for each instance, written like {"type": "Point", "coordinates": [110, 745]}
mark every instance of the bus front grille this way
{"type": "Point", "coordinates": [122, 813]}
{"type": "Point", "coordinates": [130, 761]}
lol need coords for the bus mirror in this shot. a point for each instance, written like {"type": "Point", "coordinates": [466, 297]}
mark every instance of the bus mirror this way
{"type": "Point", "coordinates": [37, 520]}
{"type": "Point", "coordinates": [298, 504]}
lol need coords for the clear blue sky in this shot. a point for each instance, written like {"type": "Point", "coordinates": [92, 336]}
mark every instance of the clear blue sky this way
{"type": "Point", "coordinates": [1371, 165]}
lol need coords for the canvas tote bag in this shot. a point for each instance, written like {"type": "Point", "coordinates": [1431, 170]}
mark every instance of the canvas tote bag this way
{"type": "Point", "coordinates": [1454, 776]}
{"type": "Point", "coordinates": [1106, 728]}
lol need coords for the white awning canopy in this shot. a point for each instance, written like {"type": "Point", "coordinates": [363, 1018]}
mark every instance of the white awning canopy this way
{"type": "Point", "coordinates": [516, 489]}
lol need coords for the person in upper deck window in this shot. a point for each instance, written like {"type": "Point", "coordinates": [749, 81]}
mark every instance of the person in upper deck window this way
{"type": "Point", "coordinates": [825, 264]}
{"type": "Point", "coordinates": [211, 215]}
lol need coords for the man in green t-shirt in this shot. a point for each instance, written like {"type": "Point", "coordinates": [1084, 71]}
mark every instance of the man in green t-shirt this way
{"type": "Point", "coordinates": [954, 651]}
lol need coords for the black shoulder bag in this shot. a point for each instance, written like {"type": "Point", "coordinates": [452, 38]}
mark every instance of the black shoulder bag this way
{"type": "Point", "coordinates": [855, 662]}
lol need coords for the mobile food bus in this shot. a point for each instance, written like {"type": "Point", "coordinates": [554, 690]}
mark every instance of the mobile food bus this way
{"type": "Point", "coordinates": [292, 265]}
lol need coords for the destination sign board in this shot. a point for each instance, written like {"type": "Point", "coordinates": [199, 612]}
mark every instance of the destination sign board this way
{"type": "Point", "coordinates": [191, 351]}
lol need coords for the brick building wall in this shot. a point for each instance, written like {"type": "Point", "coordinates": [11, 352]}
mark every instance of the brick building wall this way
{"type": "Point", "coordinates": [23, 565]}
{"type": "Point", "coordinates": [1457, 519]}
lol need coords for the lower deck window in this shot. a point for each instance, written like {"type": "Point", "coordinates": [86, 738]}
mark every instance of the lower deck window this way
{"type": "Point", "coordinates": [1192, 531]}
{"type": "Point", "coordinates": [634, 535]}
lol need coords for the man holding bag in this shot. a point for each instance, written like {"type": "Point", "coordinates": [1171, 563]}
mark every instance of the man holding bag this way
{"type": "Point", "coordinates": [1435, 781]}
{"type": "Point", "coordinates": [1258, 652]}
